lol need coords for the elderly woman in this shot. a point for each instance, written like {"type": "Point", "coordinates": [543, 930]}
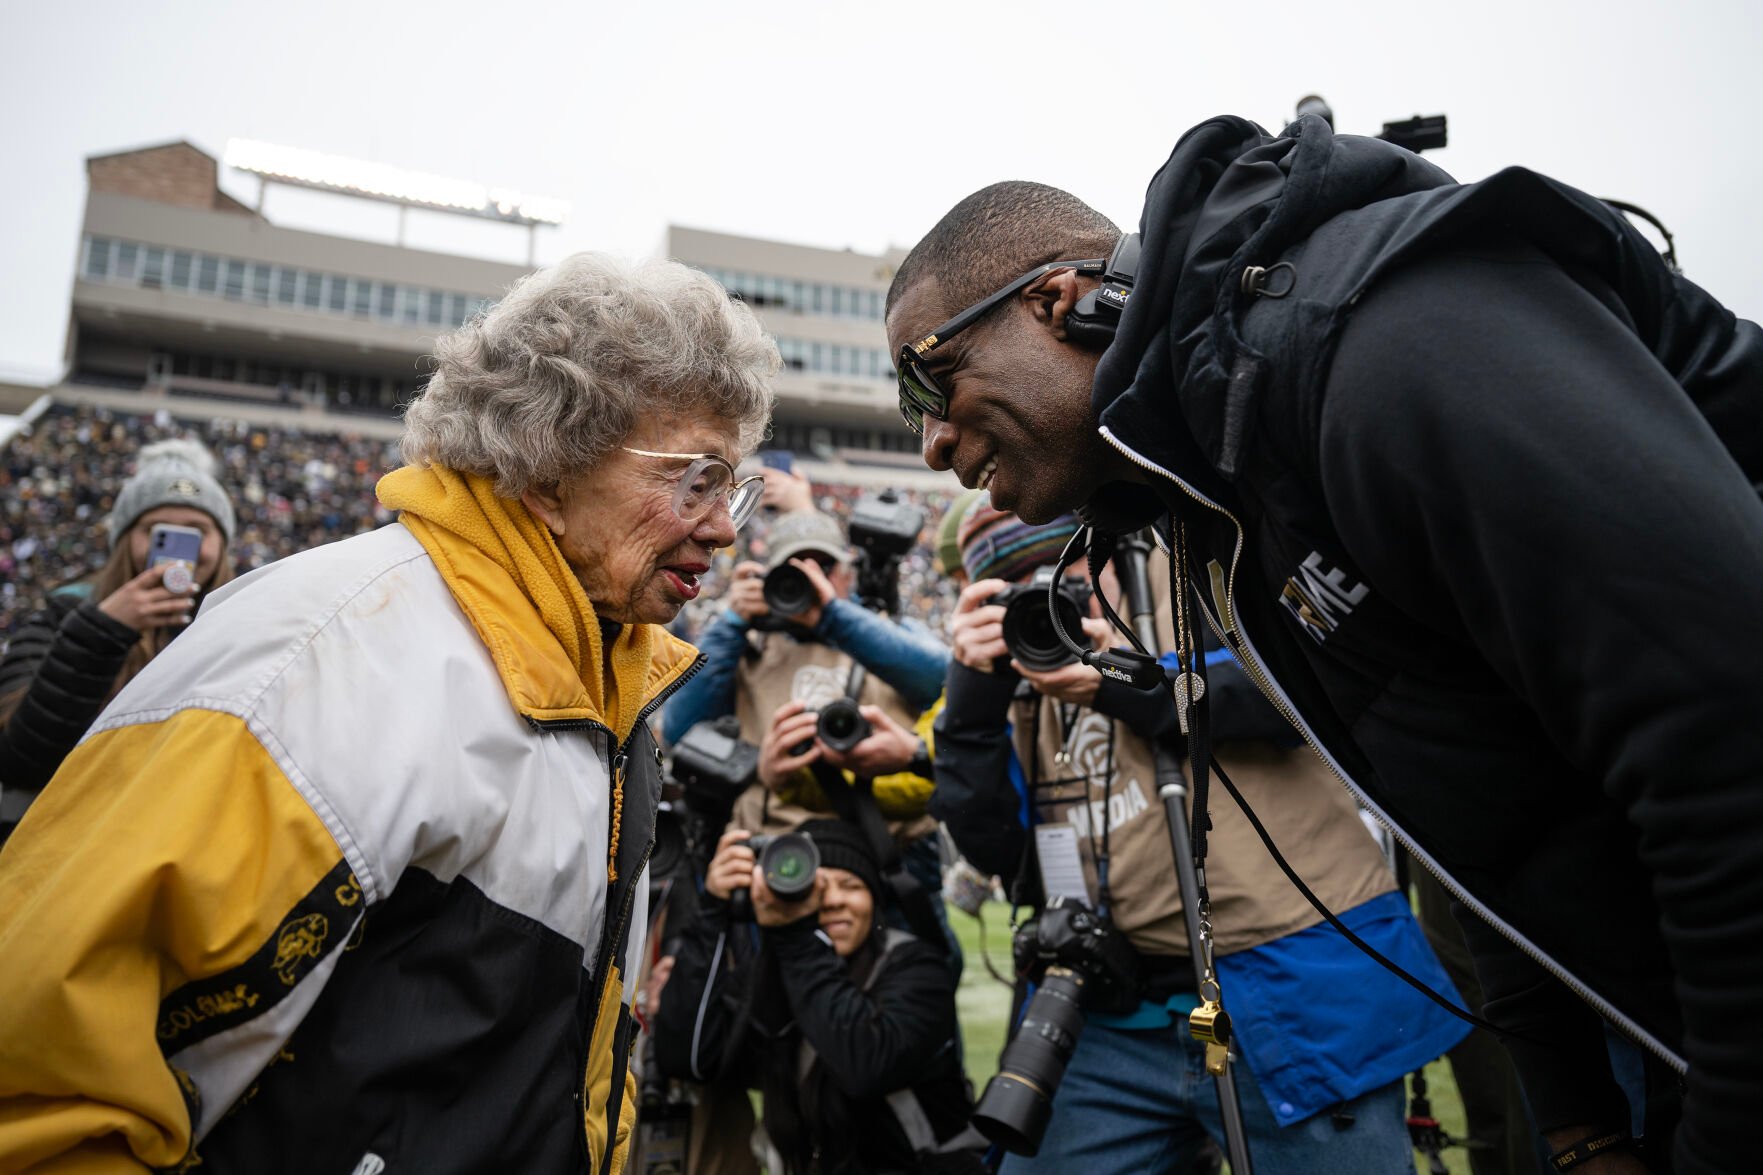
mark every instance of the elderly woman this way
{"type": "Point", "coordinates": [349, 878]}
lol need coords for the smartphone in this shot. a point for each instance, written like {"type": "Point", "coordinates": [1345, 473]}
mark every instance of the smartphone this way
{"type": "Point", "coordinates": [174, 544]}
{"type": "Point", "coordinates": [778, 459]}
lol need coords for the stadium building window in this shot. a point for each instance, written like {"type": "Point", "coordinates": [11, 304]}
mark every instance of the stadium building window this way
{"type": "Point", "coordinates": [153, 268]}
{"type": "Point", "coordinates": [128, 258]}
{"type": "Point", "coordinates": [98, 257]}
{"type": "Point", "coordinates": [182, 265]}
{"type": "Point", "coordinates": [386, 306]}
{"type": "Point", "coordinates": [261, 276]}
{"type": "Point", "coordinates": [337, 296]}
{"type": "Point", "coordinates": [360, 298]}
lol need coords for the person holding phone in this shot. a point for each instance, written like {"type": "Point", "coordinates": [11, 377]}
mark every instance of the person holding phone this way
{"type": "Point", "coordinates": [169, 529]}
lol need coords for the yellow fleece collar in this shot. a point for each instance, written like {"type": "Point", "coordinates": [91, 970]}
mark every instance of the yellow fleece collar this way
{"type": "Point", "coordinates": [505, 570]}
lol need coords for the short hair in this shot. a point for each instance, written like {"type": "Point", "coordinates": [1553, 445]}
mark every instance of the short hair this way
{"type": "Point", "coordinates": [543, 385]}
{"type": "Point", "coordinates": [998, 234]}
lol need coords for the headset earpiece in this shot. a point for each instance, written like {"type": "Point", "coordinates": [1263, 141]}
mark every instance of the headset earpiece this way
{"type": "Point", "coordinates": [1093, 321]}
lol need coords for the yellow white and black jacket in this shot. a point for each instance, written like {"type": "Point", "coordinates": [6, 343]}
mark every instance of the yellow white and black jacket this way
{"type": "Point", "coordinates": [348, 879]}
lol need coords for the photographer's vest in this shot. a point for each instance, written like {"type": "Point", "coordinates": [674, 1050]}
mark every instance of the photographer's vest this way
{"type": "Point", "coordinates": [1094, 776]}
{"type": "Point", "coordinates": [1310, 817]}
{"type": "Point", "coordinates": [787, 670]}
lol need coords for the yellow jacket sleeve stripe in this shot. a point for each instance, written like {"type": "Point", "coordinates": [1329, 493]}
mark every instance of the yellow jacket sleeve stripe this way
{"type": "Point", "coordinates": [168, 885]}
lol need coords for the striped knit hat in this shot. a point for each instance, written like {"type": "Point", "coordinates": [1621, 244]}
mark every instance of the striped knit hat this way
{"type": "Point", "coordinates": [995, 545]}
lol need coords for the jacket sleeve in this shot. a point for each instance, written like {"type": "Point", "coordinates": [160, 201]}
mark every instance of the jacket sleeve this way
{"type": "Point", "coordinates": [121, 953]}
{"type": "Point", "coordinates": [871, 1043]}
{"type": "Point", "coordinates": [975, 796]}
{"type": "Point", "coordinates": [1524, 464]}
{"type": "Point", "coordinates": [907, 658]}
{"type": "Point", "coordinates": [65, 660]}
{"type": "Point", "coordinates": [711, 691]}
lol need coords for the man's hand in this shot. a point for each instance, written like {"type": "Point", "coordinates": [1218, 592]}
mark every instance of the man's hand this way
{"type": "Point", "coordinates": [732, 866]}
{"type": "Point", "coordinates": [822, 587]}
{"type": "Point", "coordinates": [746, 595]}
{"type": "Point", "coordinates": [1076, 682]}
{"type": "Point", "coordinates": [889, 747]}
{"type": "Point", "coordinates": [768, 911]}
{"type": "Point", "coordinates": [786, 491]}
{"type": "Point", "coordinates": [144, 603]}
{"type": "Point", "coordinates": [976, 630]}
{"type": "Point", "coordinates": [791, 726]}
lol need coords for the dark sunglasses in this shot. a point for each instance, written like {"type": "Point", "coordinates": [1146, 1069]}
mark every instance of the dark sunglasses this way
{"type": "Point", "coordinates": [920, 394]}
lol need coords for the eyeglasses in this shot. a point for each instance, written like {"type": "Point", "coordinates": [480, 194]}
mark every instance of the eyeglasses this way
{"type": "Point", "coordinates": [709, 480]}
{"type": "Point", "coordinates": [920, 395]}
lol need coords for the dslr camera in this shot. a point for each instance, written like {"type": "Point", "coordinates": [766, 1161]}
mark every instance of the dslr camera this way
{"type": "Point", "coordinates": [883, 529]}
{"type": "Point", "coordinates": [841, 726]}
{"type": "Point", "coordinates": [787, 863]}
{"type": "Point", "coordinates": [1078, 961]}
{"type": "Point", "coordinates": [1028, 621]}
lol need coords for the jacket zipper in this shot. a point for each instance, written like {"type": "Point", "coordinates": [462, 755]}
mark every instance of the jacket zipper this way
{"type": "Point", "coordinates": [1244, 649]}
{"type": "Point", "coordinates": [614, 931]}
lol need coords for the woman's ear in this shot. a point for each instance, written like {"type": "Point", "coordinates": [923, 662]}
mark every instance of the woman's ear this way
{"type": "Point", "coordinates": [545, 504]}
{"type": "Point", "coordinates": [1051, 299]}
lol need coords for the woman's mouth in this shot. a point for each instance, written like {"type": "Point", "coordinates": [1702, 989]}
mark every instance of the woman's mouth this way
{"type": "Point", "coordinates": [683, 577]}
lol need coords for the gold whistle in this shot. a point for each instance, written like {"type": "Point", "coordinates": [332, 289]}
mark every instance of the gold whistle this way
{"type": "Point", "coordinates": [1210, 1024]}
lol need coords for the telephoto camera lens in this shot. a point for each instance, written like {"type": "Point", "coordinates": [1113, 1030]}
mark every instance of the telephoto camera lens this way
{"type": "Point", "coordinates": [787, 863]}
{"type": "Point", "coordinates": [788, 590]}
{"type": "Point", "coordinates": [1028, 624]}
{"type": "Point", "coordinates": [1018, 1102]}
{"type": "Point", "coordinates": [842, 726]}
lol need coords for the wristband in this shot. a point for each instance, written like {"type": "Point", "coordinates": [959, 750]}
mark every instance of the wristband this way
{"type": "Point", "coordinates": [1586, 1149]}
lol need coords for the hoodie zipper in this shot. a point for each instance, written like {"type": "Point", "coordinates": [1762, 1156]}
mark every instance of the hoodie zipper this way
{"type": "Point", "coordinates": [1244, 649]}
{"type": "Point", "coordinates": [614, 930]}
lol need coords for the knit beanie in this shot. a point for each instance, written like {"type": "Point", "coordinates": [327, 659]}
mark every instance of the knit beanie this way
{"type": "Point", "coordinates": [948, 531]}
{"type": "Point", "coordinates": [995, 545]}
{"type": "Point", "coordinates": [842, 846]}
{"type": "Point", "coordinates": [171, 473]}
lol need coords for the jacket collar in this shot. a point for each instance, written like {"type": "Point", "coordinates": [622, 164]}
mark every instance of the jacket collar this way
{"type": "Point", "coordinates": [514, 585]}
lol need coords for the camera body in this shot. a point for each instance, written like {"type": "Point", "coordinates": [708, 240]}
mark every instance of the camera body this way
{"type": "Point", "coordinates": [712, 760]}
{"type": "Point", "coordinates": [788, 864]}
{"type": "Point", "coordinates": [1028, 622]}
{"type": "Point", "coordinates": [882, 529]}
{"type": "Point", "coordinates": [1069, 934]}
{"type": "Point", "coordinates": [1079, 962]}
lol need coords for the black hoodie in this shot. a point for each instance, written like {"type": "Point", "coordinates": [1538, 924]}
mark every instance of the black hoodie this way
{"type": "Point", "coordinates": [1478, 475]}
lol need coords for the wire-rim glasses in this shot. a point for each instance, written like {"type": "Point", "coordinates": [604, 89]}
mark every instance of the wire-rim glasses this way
{"type": "Point", "coordinates": [710, 480]}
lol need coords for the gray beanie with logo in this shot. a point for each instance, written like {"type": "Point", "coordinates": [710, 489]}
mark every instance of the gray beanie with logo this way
{"type": "Point", "coordinates": [171, 473]}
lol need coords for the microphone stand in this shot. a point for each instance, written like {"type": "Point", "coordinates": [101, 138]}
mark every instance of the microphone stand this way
{"type": "Point", "coordinates": [1132, 560]}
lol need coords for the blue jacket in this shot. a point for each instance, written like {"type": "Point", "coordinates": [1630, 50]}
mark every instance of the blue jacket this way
{"type": "Point", "coordinates": [902, 653]}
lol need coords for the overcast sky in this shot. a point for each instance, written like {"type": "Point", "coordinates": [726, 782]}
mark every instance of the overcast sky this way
{"type": "Point", "coordinates": [853, 125]}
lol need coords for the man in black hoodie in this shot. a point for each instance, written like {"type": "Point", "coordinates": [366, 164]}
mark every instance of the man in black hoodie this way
{"type": "Point", "coordinates": [1468, 479]}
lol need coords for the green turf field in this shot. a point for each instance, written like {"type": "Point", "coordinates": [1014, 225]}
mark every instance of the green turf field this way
{"type": "Point", "coordinates": [984, 1006]}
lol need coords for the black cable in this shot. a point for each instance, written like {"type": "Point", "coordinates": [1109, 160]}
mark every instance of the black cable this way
{"type": "Point", "coordinates": [1328, 915]}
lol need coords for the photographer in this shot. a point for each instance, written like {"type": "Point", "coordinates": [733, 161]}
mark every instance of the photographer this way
{"type": "Point", "coordinates": [1326, 1034]}
{"type": "Point", "coordinates": [846, 1027]}
{"type": "Point", "coordinates": [777, 672]}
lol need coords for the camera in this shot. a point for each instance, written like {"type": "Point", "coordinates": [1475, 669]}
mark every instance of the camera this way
{"type": "Point", "coordinates": [712, 761]}
{"type": "Point", "coordinates": [787, 863]}
{"type": "Point", "coordinates": [1028, 622]}
{"type": "Point", "coordinates": [883, 529]}
{"type": "Point", "coordinates": [1081, 962]}
{"type": "Point", "coordinates": [788, 591]}
{"type": "Point", "coordinates": [842, 725]}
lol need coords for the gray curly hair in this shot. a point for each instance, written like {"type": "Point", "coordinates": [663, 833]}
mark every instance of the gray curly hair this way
{"type": "Point", "coordinates": [554, 376]}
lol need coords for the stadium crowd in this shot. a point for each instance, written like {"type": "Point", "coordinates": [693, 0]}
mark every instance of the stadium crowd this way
{"type": "Point", "coordinates": [293, 490]}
